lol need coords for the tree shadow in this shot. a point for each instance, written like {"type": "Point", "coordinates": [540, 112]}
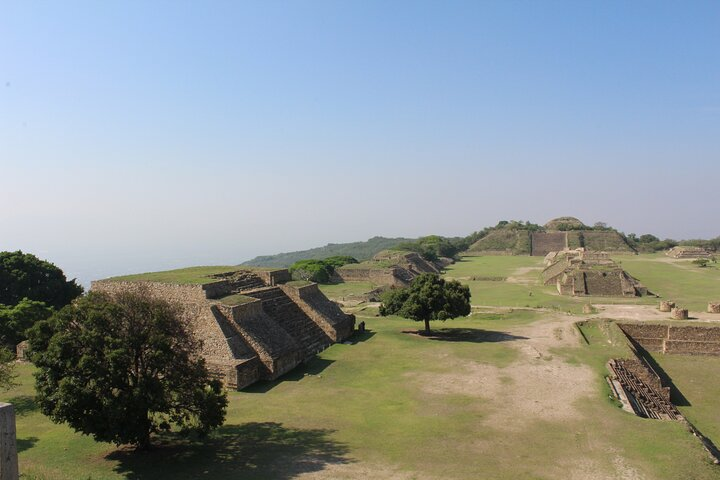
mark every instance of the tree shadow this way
{"type": "Point", "coordinates": [314, 366]}
{"type": "Point", "coordinates": [26, 443]}
{"type": "Point", "coordinates": [250, 451]}
{"type": "Point", "coordinates": [472, 335]}
{"type": "Point", "coordinates": [358, 337]}
{"type": "Point", "coordinates": [24, 405]}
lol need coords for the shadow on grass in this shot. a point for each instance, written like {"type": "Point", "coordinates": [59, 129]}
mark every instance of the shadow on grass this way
{"type": "Point", "coordinates": [472, 335]}
{"type": "Point", "coordinates": [250, 451]}
{"type": "Point", "coordinates": [676, 396]}
{"type": "Point", "coordinates": [24, 405]}
{"type": "Point", "coordinates": [358, 337]}
{"type": "Point", "coordinates": [26, 443]}
{"type": "Point", "coordinates": [314, 366]}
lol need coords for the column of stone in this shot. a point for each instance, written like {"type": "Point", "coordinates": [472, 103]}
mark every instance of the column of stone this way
{"type": "Point", "coordinates": [8, 443]}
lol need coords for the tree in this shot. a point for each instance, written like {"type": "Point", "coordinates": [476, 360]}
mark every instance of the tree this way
{"type": "Point", "coordinates": [123, 368]}
{"type": "Point", "coordinates": [428, 297]}
{"type": "Point", "coordinates": [319, 271]}
{"type": "Point", "coordinates": [7, 369]}
{"type": "Point", "coordinates": [23, 275]}
{"type": "Point", "coordinates": [15, 320]}
{"type": "Point", "coordinates": [701, 262]}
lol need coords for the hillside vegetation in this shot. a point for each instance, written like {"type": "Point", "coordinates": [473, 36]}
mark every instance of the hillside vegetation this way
{"type": "Point", "coordinates": [359, 250]}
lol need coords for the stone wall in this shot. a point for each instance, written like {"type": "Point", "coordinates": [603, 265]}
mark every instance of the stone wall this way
{"type": "Point", "coordinates": [337, 324]}
{"type": "Point", "coordinates": [377, 276]}
{"type": "Point", "coordinates": [277, 350]}
{"type": "Point", "coordinates": [687, 340]}
{"type": "Point", "coordinates": [546, 242]}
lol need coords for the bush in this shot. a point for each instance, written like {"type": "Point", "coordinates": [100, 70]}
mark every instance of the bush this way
{"type": "Point", "coordinates": [318, 271]}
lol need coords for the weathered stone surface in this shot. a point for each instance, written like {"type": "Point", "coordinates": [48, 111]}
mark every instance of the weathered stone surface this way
{"type": "Point", "coordinates": [21, 350]}
{"type": "Point", "coordinates": [8, 443]}
{"type": "Point", "coordinates": [679, 313]}
{"type": "Point", "coordinates": [713, 307]}
{"type": "Point", "coordinates": [666, 306]}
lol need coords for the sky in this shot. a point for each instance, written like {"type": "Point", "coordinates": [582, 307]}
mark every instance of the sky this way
{"type": "Point", "coordinates": [140, 136]}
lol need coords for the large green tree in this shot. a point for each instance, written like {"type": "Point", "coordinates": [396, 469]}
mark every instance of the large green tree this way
{"type": "Point", "coordinates": [429, 297]}
{"type": "Point", "coordinates": [23, 275]}
{"type": "Point", "coordinates": [121, 368]}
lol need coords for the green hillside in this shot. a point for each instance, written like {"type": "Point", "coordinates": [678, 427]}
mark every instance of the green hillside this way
{"type": "Point", "coordinates": [359, 250]}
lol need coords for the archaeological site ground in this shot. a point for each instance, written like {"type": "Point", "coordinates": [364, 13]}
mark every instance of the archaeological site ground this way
{"type": "Point", "coordinates": [568, 373]}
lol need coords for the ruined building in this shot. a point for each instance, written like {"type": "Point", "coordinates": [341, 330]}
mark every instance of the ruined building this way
{"type": "Point", "coordinates": [254, 324]}
{"type": "Point", "coordinates": [557, 234]}
{"type": "Point", "coordinates": [579, 272]}
{"type": "Point", "coordinates": [389, 268]}
{"type": "Point", "coordinates": [688, 252]}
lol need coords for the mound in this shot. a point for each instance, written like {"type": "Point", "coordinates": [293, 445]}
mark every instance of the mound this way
{"type": "Point", "coordinates": [503, 242]}
{"type": "Point", "coordinates": [565, 223]}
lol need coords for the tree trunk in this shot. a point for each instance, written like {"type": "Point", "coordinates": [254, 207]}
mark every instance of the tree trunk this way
{"type": "Point", "coordinates": [427, 327]}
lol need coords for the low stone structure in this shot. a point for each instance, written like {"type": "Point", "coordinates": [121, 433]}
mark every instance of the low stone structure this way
{"type": "Point", "coordinates": [688, 252]}
{"type": "Point", "coordinates": [713, 307]}
{"type": "Point", "coordinates": [686, 340]}
{"type": "Point", "coordinates": [666, 306]}
{"type": "Point", "coordinates": [252, 324]}
{"type": "Point", "coordinates": [21, 350]}
{"type": "Point", "coordinates": [388, 268]}
{"type": "Point", "coordinates": [579, 273]}
{"type": "Point", "coordinates": [679, 313]}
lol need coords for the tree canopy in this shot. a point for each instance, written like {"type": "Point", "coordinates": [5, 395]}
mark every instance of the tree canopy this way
{"type": "Point", "coordinates": [23, 275]}
{"type": "Point", "coordinates": [319, 271]}
{"type": "Point", "coordinates": [123, 368]}
{"type": "Point", "coordinates": [429, 297]}
{"type": "Point", "coordinates": [15, 320]}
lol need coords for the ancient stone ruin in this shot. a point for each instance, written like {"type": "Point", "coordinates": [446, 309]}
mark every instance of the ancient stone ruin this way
{"type": "Point", "coordinates": [579, 273]}
{"type": "Point", "coordinates": [666, 306]}
{"type": "Point", "coordinates": [688, 252]}
{"type": "Point", "coordinates": [713, 307]}
{"type": "Point", "coordinates": [253, 324]}
{"type": "Point", "coordinates": [389, 268]}
{"type": "Point", "coordinates": [640, 388]}
{"type": "Point", "coordinates": [558, 234]}
{"type": "Point", "coordinates": [679, 313]}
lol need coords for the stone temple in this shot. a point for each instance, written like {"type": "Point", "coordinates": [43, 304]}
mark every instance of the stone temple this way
{"type": "Point", "coordinates": [579, 273]}
{"type": "Point", "coordinates": [254, 324]}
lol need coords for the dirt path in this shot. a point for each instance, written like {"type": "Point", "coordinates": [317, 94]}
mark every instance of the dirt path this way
{"type": "Point", "coordinates": [521, 276]}
{"type": "Point", "coordinates": [646, 312]}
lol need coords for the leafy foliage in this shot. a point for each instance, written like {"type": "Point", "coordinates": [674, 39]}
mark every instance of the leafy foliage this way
{"type": "Point", "coordinates": [7, 369]}
{"type": "Point", "coordinates": [429, 297]}
{"type": "Point", "coordinates": [360, 250]}
{"type": "Point", "coordinates": [15, 320]}
{"type": "Point", "coordinates": [319, 271]}
{"type": "Point", "coordinates": [122, 368]}
{"type": "Point", "coordinates": [23, 275]}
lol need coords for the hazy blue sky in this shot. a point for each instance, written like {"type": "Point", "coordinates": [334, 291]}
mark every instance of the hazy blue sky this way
{"type": "Point", "coordinates": [142, 135]}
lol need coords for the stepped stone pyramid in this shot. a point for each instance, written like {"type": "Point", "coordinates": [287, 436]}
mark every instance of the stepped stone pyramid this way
{"type": "Point", "coordinates": [253, 324]}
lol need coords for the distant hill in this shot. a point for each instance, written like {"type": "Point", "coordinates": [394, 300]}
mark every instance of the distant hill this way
{"type": "Point", "coordinates": [359, 250]}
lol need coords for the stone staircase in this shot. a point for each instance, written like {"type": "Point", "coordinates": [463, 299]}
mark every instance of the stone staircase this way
{"type": "Point", "coordinates": [292, 319]}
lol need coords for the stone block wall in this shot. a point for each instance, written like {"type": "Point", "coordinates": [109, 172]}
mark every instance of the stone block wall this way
{"type": "Point", "coordinates": [337, 324]}
{"type": "Point", "coordinates": [604, 284]}
{"type": "Point", "coordinates": [687, 340]}
{"type": "Point", "coordinates": [546, 242]}
{"type": "Point", "coordinates": [385, 276]}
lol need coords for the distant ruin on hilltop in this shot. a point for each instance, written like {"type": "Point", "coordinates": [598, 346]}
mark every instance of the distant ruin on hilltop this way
{"type": "Point", "coordinates": [561, 233]}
